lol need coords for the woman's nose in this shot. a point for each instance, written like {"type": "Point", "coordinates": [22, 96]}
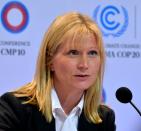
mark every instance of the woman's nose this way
{"type": "Point", "coordinates": [83, 63]}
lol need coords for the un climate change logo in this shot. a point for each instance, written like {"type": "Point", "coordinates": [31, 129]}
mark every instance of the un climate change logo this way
{"type": "Point", "coordinates": [16, 22]}
{"type": "Point", "coordinates": [112, 20]}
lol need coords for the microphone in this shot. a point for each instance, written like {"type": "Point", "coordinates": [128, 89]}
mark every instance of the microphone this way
{"type": "Point", "coordinates": [124, 95]}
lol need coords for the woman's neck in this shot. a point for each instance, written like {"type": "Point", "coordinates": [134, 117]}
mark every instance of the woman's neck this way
{"type": "Point", "coordinates": [68, 99]}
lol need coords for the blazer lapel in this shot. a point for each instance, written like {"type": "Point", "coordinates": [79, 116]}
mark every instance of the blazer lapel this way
{"type": "Point", "coordinates": [40, 123]}
{"type": "Point", "coordinates": [85, 125]}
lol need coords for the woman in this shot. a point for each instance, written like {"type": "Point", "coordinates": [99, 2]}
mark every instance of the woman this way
{"type": "Point", "coordinates": [65, 94]}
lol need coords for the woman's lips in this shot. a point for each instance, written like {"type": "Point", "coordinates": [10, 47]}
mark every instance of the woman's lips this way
{"type": "Point", "coordinates": [82, 77]}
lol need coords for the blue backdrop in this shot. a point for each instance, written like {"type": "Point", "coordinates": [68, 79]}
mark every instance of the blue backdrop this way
{"type": "Point", "coordinates": [23, 24]}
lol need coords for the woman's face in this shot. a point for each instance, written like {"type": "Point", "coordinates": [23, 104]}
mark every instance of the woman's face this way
{"type": "Point", "coordinates": [76, 68]}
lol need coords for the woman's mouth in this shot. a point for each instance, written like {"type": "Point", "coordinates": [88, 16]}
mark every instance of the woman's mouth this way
{"type": "Point", "coordinates": [82, 77]}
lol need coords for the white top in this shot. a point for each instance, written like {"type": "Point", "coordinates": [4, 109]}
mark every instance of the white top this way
{"type": "Point", "coordinates": [64, 122]}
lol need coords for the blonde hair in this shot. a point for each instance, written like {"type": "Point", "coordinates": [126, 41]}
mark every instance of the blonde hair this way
{"type": "Point", "coordinates": [72, 25]}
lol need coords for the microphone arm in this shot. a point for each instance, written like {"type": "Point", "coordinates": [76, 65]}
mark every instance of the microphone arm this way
{"type": "Point", "coordinates": [135, 107]}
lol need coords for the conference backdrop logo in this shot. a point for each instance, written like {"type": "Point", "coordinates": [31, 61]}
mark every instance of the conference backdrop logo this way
{"type": "Point", "coordinates": [113, 20]}
{"type": "Point", "coordinates": [15, 19]}
{"type": "Point", "coordinates": [20, 22]}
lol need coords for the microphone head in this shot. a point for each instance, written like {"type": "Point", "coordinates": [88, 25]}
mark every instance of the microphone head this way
{"type": "Point", "coordinates": [124, 95]}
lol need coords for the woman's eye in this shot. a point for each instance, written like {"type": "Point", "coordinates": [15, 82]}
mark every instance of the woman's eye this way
{"type": "Point", "coordinates": [93, 53]}
{"type": "Point", "coordinates": [73, 52]}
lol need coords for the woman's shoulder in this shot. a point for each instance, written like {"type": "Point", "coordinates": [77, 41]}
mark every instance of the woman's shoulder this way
{"type": "Point", "coordinates": [12, 111]}
{"type": "Point", "coordinates": [104, 107]}
{"type": "Point", "coordinates": [11, 99]}
{"type": "Point", "coordinates": [7, 96]}
{"type": "Point", "coordinates": [106, 112]}
{"type": "Point", "coordinates": [9, 102]}
{"type": "Point", "coordinates": [16, 115]}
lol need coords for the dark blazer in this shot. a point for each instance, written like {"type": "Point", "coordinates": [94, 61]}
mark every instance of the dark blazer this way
{"type": "Point", "coordinates": [15, 116]}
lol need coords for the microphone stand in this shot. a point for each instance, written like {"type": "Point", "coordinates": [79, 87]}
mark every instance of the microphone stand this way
{"type": "Point", "coordinates": [135, 107]}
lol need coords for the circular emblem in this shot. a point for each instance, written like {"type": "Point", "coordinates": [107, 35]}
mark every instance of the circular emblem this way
{"type": "Point", "coordinates": [20, 8]}
{"type": "Point", "coordinates": [111, 19]}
